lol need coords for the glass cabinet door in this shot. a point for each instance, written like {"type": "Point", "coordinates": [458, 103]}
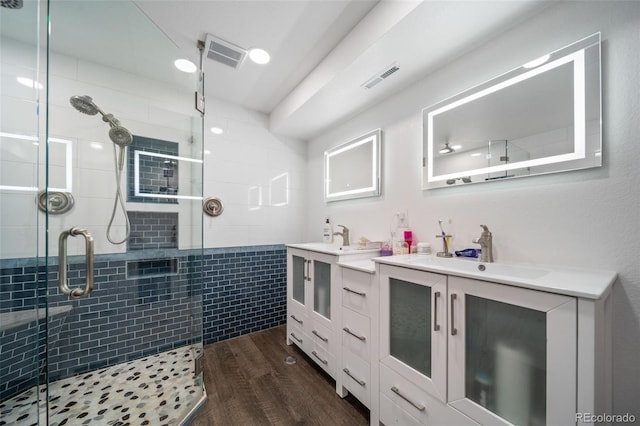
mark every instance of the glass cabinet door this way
{"type": "Point", "coordinates": [412, 326]}
{"type": "Point", "coordinates": [506, 347]}
{"type": "Point", "coordinates": [322, 288]}
{"type": "Point", "coordinates": [299, 277]}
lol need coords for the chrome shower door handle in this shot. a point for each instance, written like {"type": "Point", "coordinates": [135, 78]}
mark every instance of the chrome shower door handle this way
{"type": "Point", "coordinates": [62, 262]}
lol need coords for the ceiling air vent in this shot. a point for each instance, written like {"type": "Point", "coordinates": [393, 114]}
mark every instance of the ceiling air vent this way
{"type": "Point", "coordinates": [224, 52]}
{"type": "Point", "coordinates": [378, 77]}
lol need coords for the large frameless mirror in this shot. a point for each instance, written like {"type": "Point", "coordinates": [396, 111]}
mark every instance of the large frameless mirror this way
{"type": "Point", "coordinates": [352, 170]}
{"type": "Point", "coordinates": [542, 117]}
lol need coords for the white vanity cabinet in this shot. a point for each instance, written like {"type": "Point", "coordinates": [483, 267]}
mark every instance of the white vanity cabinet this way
{"type": "Point", "coordinates": [413, 349]}
{"type": "Point", "coordinates": [459, 350]}
{"type": "Point", "coordinates": [359, 329]}
{"type": "Point", "coordinates": [313, 302]}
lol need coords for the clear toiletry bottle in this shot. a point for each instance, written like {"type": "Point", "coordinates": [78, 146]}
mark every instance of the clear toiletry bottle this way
{"type": "Point", "coordinates": [327, 232]}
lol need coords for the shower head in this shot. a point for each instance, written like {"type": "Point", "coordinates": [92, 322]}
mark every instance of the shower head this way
{"type": "Point", "coordinates": [84, 104]}
{"type": "Point", "coordinates": [120, 136]}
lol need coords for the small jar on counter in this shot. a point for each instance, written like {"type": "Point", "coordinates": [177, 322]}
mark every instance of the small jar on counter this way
{"type": "Point", "coordinates": [424, 248]}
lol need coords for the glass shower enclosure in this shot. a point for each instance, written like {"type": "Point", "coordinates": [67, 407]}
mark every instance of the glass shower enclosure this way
{"type": "Point", "coordinates": [100, 218]}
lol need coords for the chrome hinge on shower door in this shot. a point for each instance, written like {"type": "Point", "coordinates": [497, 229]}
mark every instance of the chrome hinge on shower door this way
{"type": "Point", "coordinates": [200, 102]}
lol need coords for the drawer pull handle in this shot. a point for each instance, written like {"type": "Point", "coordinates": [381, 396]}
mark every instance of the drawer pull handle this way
{"type": "Point", "coordinates": [454, 330]}
{"type": "Point", "coordinates": [324, 339]}
{"type": "Point", "coordinates": [358, 381]}
{"type": "Point", "coordinates": [354, 292]}
{"type": "Point", "coordinates": [296, 319]}
{"type": "Point", "coordinates": [354, 335]}
{"type": "Point", "coordinates": [436, 326]}
{"type": "Point", "coordinates": [418, 407]}
{"type": "Point", "coordinates": [324, 361]}
{"type": "Point", "coordinates": [295, 338]}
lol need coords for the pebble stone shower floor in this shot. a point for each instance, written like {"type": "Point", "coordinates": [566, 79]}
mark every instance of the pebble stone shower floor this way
{"type": "Point", "coordinates": [156, 390]}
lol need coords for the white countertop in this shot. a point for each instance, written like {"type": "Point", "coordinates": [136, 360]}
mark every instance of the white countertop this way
{"type": "Point", "coordinates": [365, 265]}
{"type": "Point", "coordinates": [333, 249]}
{"type": "Point", "coordinates": [585, 283]}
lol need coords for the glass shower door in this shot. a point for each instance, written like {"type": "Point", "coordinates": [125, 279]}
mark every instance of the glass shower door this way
{"type": "Point", "coordinates": [125, 145]}
{"type": "Point", "coordinates": [22, 307]}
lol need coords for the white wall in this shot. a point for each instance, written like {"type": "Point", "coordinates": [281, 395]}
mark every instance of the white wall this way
{"type": "Point", "coordinates": [584, 219]}
{"type": "Point", "coordinates": [260, 177]}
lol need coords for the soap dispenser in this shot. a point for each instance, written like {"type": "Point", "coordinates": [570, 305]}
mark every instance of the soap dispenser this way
{"type": "Point", "coordinates": [327, 232]}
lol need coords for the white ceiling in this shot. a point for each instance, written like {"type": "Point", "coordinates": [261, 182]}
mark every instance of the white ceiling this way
{"type": "Point", "coordinates": [322, 50]}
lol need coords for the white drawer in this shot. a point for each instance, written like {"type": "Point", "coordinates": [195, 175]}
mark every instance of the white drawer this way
{"type": "Point", "coordinates": [356, 377]}
{"type": "Point", "coordinates": [356, 334]}
{"type": "Point", "coordinates": [299, 338]}
{"type": "Point", "coordinates": [297, 318]}
{"type": "Point", "coordinates": [410, 400]}
{"type": "Point", "coordinates": [404, 393]}
{"type": "Point", "coordinates": [356, 291]}
{"type": "Point", "coordinates": [323, 337]}
{"type": "Point", "coordinates": [324, 359]}
{"type": "Point", "coordinates": [392, 415]}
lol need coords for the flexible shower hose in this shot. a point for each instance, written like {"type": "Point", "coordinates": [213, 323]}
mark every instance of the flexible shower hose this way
{"type": "Point", "coordinates": [118, 159]}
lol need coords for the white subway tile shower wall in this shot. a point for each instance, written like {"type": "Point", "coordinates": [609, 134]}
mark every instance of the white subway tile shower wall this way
{"type": "Point", "coordinates": [246, 156]}
{"type": "Point", "coordinates": [244, 167]}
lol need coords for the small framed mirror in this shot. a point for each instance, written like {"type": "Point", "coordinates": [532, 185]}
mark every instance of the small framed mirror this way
{"type": "Point", "coordinates": [352, 170]}
{"type": "Point", "coordinates": [542, 117]}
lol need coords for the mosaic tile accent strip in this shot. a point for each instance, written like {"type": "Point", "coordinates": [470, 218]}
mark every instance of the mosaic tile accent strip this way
{"type": "Point", "coordinates": [158, 175]}
{"type": "Point", "coordinates": [157, 390]}
{"type": "Point", "coordinates": [153, 230]}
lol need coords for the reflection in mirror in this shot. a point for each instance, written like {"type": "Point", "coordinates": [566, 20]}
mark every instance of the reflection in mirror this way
{"type": "Point", "coordinates": [352, 170]}
{"type": "Point", "coordinates": [542, 117]}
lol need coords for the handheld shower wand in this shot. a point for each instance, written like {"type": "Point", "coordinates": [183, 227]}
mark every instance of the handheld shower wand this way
{"type": "Point", "coordinates": [121, 138]}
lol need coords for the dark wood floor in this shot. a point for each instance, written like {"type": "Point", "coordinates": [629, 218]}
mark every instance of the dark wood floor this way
{"type": "Point", "coordinates": [248, 383]}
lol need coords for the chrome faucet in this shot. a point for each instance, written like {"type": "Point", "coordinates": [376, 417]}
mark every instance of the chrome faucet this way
{"type": "Point", "coordinates": [344, 234]}
{"type": "Point", "coordinates": [486, 244]}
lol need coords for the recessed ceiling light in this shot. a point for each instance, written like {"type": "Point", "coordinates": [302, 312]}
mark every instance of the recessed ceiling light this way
{"type": "Point", "coordinates": [456, 147]}
{"type": "Point", "coordinates": [476, 154]}
{"type": "Point", "coordinates": [29, 83]}
{"type": "Point", "coordinates": [185, 65]}
{"type": "Point", "coordinates": [537, 62]}
{"type": "Point", "coordinates": [259, 56]}
{"type": "Point", "coordinates": [217, 130]}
